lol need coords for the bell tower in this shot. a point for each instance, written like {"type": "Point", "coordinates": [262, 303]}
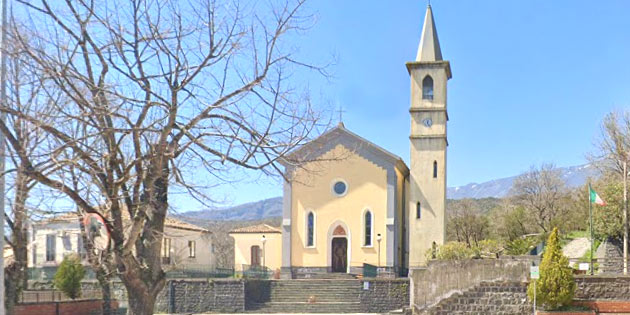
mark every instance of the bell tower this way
{"type": "Point", "coordinates": [427, 182]}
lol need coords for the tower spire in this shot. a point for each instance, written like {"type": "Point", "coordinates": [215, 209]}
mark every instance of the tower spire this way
{"type": "Point", "coordinates": [429, 48]}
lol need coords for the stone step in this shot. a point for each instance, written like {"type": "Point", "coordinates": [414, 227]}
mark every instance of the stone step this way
{"type": "Point", "coordinates": [308, 298]}
{"type": "Point", "coordinates": [277, 307]}
{"type": "Point", "coordinates": [311, 289]}
{"type": "Point", "coordinates": [306, 288]}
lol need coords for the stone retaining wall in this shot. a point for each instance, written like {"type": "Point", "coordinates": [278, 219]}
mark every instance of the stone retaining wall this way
{"type": "Point", "coordinates": [485, 298]}
{"type": "Point", "coordinates": [384, 295]}
{"type": "Point", "coordinates": [441, 279]}
{"type": "Point", "coordinates": [193, 296]}
{"type": "Point", "coordinates": [611, 288]}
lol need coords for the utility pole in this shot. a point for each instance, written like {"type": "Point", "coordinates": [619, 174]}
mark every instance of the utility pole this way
{"type": "Point", "coordinates": [590, 216]}
{"type": "Point", "coordinates": [3, 116]}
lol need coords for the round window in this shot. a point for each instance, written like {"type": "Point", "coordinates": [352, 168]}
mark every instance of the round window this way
{"type": "Point", "coordinates": [340, 188]}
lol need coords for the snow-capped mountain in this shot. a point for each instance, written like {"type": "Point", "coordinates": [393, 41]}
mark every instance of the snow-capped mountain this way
{"type": "Point", "coordinates": [574, 176]}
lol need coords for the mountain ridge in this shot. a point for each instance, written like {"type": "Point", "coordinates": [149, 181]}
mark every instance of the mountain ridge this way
{"type": "Point", "coordinates": [573, 176]}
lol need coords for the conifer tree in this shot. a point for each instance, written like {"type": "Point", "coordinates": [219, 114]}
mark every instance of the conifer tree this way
{"type": "Point", "coordinates": [69, 275]}
{"type": "Point", "coordinates": [556, 286]}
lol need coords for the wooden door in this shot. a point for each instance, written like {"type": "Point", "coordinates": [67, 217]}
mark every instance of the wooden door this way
{"type": "Point", "coordinates": [339, 254]}
{"type": "Point", "coordinates": [255, 256]}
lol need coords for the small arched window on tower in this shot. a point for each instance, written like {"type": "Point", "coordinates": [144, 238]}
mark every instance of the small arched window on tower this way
{"type": "Point", "coordinates": [427, 88]}
{"type": "Point", "coordinates": [310, 230]}
{"type": "Point", "coordinates": [418, 210]}
{"type": "Point", "coordinates": [434, 169]}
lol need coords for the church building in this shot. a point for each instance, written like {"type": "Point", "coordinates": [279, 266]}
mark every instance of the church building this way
{"type": "Point", "coordinates": [355, 205]}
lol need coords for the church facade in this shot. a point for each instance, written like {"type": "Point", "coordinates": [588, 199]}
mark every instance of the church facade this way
{"type": "Point", "coordinates": [356, 204]}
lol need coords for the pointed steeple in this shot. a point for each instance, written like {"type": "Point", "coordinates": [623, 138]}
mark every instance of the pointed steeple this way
{"type": "Point", "coordinates": [429, 48]}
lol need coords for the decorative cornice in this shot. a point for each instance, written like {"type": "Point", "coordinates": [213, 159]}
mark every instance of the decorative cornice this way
{"type": "Point", "coordinates": [420, 137]}
{"type": "Point", "coordinates": [430, 64]}
{"type": "Point", "coordinates": [427, 109]}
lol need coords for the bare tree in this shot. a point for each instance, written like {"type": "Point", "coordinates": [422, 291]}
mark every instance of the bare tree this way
{"type": "Point", "coordinates": [510, 221]}
{"type": "Point", "coordinates": [24, 95]}
{"type": "Point", "coordinates": [467, 224]}
{"type": "Point", "coordinates": [541, 192]}
{"type": "Point", "coordinates": [612, 157]}
{"type": "Point", "coordinates": [162, 93]}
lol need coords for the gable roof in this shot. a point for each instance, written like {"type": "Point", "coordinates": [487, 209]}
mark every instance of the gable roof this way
{"type": "Point", "coordinates": [259, 228]}
{"type": "Point", "coordinates": [170, 222]}
{"type": "Point", "coordinates": [340, 135]}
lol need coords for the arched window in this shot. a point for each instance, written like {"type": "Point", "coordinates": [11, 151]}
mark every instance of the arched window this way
{"type": "Point", "coordinates": [418, 210]}
{"type": "Point", "coordinates": [255, 255]}
{"type": "Point", "coordinates": [427, 88]}
{"type": "Point", "coordinates": [367, 221]}
{"type": "Point", "coordinates": [434, 169]}
{"type": "Point", "coordinates": [310, 229]}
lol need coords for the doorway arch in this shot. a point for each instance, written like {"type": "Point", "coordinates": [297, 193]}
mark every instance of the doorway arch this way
{"type": "Point", "coordinates": [339, 237]}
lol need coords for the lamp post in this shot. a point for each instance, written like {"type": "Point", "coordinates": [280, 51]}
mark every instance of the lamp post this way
{"type": "Point", "coordinates": [378, 239]}
{"type": "Point", "coordinates": [263, 240]}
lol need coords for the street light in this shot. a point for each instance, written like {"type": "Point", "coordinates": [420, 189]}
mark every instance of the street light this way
{"type": "Point", "coordinates": [378, 239]}
{"type": "Point", "coordinates": [263, 240]}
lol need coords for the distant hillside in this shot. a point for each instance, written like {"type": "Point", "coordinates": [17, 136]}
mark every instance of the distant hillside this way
{"type": "Point", "coordinates": [482, 205]}
{"type": "Point", "coordinates": [258, 210]}
{"type": "Point", "coordinates": [270, 208]}
{"type": "Point", "coordinates": [574, 176]}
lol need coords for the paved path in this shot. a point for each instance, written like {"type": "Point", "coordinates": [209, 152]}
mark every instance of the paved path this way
{"type": "Point", "coordinates": [576, 248]}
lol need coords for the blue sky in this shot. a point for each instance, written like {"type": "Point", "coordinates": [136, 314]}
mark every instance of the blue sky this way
{"type": "Point", "coordinates": [531, 82]}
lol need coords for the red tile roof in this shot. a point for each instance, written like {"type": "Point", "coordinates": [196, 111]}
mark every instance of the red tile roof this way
{"type": "Point", "coordinates": [260, 228]}
{"type": "Point", "coordinates": [169, 222]}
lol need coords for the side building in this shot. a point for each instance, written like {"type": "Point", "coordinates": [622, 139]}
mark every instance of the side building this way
{"type": "Point", "coordinates": [257, 247]}
{"type": "Point", "coordinates": [185, 246]}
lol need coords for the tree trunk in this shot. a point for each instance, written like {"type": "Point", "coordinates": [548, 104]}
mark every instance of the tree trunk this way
{"type": "Point", "coordinates": [103, 280]}
{"type": "Point", "coordinates": [11, 284]}
{"type": "Point", "coordinates": [16, 278]}
{"type": "Point", "coordinates": [145, 281]}
{"type": "Point", "coordinates": [141, 298]}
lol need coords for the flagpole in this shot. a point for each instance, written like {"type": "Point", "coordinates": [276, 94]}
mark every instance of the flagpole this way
{"type": "Point", "coordinates": [590, 214]}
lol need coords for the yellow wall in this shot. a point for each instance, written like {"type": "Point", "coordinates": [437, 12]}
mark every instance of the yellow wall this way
{"type": "Point", "coordinates": [242, 249]}
{"type": "Point", "coordinates": [367, 189]}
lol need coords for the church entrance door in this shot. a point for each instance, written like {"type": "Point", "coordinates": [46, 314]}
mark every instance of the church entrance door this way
{"type": "Point", "coordinates": [339, 254]}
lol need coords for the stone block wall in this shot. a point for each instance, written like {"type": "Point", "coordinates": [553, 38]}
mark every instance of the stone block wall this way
{"type": "Point", "coordinates": [611, 288]}
{"type": "Point", "coordinates": [441, 279]}
{"type": "Point", "coordinates": [384, 295]}
{"type": "Point", "coordinates": [612, 260]}
{"type": "Point", "coordinates": [486, 298]}
{"type": "Point", "coordinates": [196, 296]}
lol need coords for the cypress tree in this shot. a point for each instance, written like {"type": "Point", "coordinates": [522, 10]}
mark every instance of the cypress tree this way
{"type": "Point", "coordinates": [556, 285]}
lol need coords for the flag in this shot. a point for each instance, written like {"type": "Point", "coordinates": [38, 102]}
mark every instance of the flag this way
{"type": "Point", "coordinates": [596, 199]}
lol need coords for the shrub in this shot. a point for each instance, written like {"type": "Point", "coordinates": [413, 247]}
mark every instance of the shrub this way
{"type": "Point", "coordinates": [69, 275]}
{"type": "Point", "coordinates": [521, 245]}
{"type": "Point", "coordinates": [452, 251]}
{"type": "Point", "coordinates": [556, 286]}
{"type": "Point", "coordinates": [488, 249]}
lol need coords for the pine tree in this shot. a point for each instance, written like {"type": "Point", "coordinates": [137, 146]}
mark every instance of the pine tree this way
{"type": "Point", "coordinates": [556, 286]}
{"type": "Point", "coordinates": [69, 275]}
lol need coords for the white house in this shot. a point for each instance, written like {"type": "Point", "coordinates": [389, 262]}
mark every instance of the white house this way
{"type": "Point", "coordinates": [184, 245]}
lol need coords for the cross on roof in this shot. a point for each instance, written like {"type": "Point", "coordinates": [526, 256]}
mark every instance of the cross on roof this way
{"type": "Point", "coordinates": [341, 111]}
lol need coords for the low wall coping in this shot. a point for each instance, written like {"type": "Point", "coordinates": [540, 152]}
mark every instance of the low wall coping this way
{"type": "Point", "coordinates": [603, 276]}
{"type": "Point", "coordinates": [66, 301]}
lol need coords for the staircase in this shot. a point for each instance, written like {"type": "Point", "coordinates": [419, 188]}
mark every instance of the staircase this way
{"type": "Point", "coordinates": [486, 298]}
{"type": "Point", "coordinates": [311, 296]}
